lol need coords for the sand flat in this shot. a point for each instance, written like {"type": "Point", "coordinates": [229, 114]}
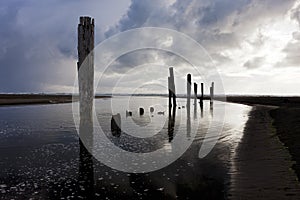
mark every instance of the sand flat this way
{"type": "Point", "coordinates": [262, 165]}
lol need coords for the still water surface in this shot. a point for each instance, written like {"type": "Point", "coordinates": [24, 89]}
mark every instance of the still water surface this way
{"type": "Point", "coordinates": [40, 156]}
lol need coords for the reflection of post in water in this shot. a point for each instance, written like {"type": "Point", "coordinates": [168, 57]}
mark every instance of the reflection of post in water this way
{"type": "Point", "coordinates": [212, 99]}
{"type": "Point", "coordinates": [171, 124]}
{"type": "Point", "coordinates": [86, 173]}
{"type": "Point", "coordinates": [85, 67]}
{"type": "Point", "coordinates": [188, 121]}
{"type": "Point", "coordinates": [211, 110]}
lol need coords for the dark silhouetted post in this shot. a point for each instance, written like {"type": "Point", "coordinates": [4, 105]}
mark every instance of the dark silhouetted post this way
{"type": "Point", "coordinates": [85, 68]}
{"type": "Point", "coordinates": [151, 109]}
{"type": "Point", "coordinates": [212, 93]}
{"type": "Point", "coordinates": [116, 125]}
{"type": "Point", "coordinates": [195, 99]}
{"type": "Point", "coordinates": [141, 111]}
{"type": "Point", "coordinates": [172, 85]}
{"type": "Point", "coordinates": [195, 92]}
{"type": "Point", "coordinates": [202, 95]}
{"type": "Point", "coordinates": [170, 96]}
{"type": "Point", "coordinates": [188, 105]}
{"type": "Point", "coordinates": [188, 87]}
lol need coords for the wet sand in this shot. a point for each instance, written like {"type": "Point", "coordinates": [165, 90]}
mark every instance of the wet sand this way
{"type": "Point", "coordinates": [262, 166]}
{"type": "Point", "coordinates": [287, 124]}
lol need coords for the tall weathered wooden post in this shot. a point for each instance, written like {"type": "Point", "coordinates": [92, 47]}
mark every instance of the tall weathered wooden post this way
{"type": "Point", "coordinates": [188, 88]}
{"type": "Point", "coordinates": [85, 68]}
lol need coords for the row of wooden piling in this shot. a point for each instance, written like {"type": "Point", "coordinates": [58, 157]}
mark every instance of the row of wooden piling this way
{"type": "Point", "coordinates": [172, 93]}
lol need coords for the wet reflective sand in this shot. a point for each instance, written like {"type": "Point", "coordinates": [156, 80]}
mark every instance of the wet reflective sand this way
{"type": "Point", "coordinates": [41, 156]}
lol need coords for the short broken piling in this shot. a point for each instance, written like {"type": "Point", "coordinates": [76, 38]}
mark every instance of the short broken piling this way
{"type": "Point", "coordinates": [116, 125]}
{"type": "Point", "coordinates": [141, 111]}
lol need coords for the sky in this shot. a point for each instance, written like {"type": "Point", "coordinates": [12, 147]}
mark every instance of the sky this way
{"type": "Point", "coordinates": [254, 44]}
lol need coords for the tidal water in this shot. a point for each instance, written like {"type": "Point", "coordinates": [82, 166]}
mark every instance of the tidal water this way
{"type": "Point", "coordinates": [155, 155]}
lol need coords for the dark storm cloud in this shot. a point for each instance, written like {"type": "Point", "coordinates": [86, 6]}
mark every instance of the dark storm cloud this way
{"type": "Point", "coordinates": [29, 48]}
{"type": "Point", "coordinates": [38, 46]}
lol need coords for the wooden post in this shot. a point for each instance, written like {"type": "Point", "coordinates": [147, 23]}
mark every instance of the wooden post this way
{"type": "Point", "coordinates": [212, 93]}
{"type": "Point", "coordinates": [195, 100]}
{"type": "Point", "coordinates": [195, 92]}
{"type": "Point", "coordinates": [116, 125]}
{"type": "Point", "coordinates": [202, 95]}
{"type": "Point", "coordinates": [188, 86]}
{"type": "Point", "coordinates": [172, 85]}
{"type": "Point", "coordinates": [85, 67]}
{"type": "Point", "coordinates": [141, 111]}
{"type": "Point", "coordinates": [170, 96]}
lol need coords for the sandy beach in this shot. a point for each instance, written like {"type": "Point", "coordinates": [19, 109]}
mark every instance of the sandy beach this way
{"type": "Point", "coordinates": [266, 164]}
{"type": "Point", "coordinates": [287, 124]}
{"type": "Point", "coordinates": [285, 115]}
{"type": "Point", "coordinates": [262, 165]}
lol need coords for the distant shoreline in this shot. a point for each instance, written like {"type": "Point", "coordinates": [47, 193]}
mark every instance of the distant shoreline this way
{"type": "Point", "coordinates": [34, 99]}
{"type": "Point", "coordinates": [29, 99]}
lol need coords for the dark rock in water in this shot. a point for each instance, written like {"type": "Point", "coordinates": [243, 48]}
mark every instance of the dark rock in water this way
{"type": "Point", "coordinates": [116, 125]}
{"type": "Point", "coordinates": [142, 111]}
{"type": "Point", "coordinates": [161, 113]}
{"type": "Point", "coordinates": [179, 107]}
{"type": "Point", "coordinates": [183, 106]}
{"type": "Point", "coordinates": [128, 113]}
{"type": "Point", "coordinates": [151, 109]}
